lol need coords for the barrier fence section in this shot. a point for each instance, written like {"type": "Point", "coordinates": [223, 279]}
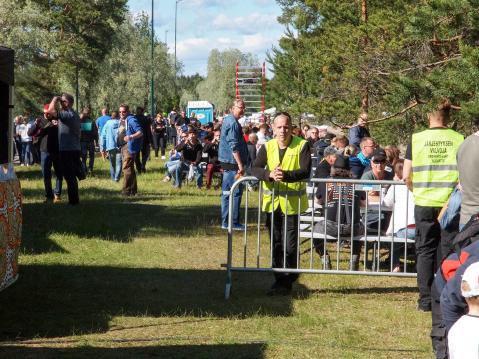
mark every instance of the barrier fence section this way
{"type": "Point", "coordinates": [331, 229]}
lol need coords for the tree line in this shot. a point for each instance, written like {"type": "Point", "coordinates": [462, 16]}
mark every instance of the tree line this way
{"type": "Point", "coordinates": [394, 59]}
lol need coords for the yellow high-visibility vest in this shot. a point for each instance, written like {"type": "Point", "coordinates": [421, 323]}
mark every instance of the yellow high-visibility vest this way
{"type": "Point", "coordinates": [434, 166]}
{"type": "Point", "coordinates": [291, 197]}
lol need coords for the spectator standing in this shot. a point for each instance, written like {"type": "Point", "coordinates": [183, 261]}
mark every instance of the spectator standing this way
{"type": "Point", "coordinates": [158, 130]}
{"type": "Point", "coordinates": [182, 120]}
{"type": "Point", "coordinates": [144, 152]}
{"type": "Point", "coordinates": [26, 140]}
{"type": "Point", "coordinates": [101, 121]}
{"type": "Point", "coordinates": [468, 167]}
{"type": "Point", "coordinates": [252, 150]}
{"type": "Point", "coordinates": [18, 138]}
{"type": "Point", "coordinates": [133, 140]}
{"type": "Point", "coordinates": [88, 139]}
{"type": "Point", "coordinates": [359, 131]}
{"type": "Point", "coordinates": [233, 156]}
{"type": "Point", "coordinates": [46, 130]}
{"type": "Point", "coordinates": [282, 164]}
{"type": "Point", "coordinates": [430, 169]}
{"type": "Point", "coordinates": [172, 132]}
{"type": "Point", "coordinates": [109, 144]}
{"type": "Point", "coordinates": [68, 143]}
{"type": "Point", "coordinates": [463, 338]}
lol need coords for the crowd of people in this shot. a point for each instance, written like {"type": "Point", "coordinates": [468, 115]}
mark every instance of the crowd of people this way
{"type": "Point", "coordinates": [283, 155]}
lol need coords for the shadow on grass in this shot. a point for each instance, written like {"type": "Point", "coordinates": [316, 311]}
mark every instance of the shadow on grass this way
{"type": "Point", "coordinates": [57, 300]}
{"type": "Point", "coordinates": [246, 351]}
{"type": "Point", "coordinates": [112, 219]}
{"type": "Point", "coordinates": [360, 291]}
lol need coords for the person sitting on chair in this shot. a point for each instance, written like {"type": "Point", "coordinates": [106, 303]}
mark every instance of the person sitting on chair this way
{"type": "Point", "coordinates": [341, 211]}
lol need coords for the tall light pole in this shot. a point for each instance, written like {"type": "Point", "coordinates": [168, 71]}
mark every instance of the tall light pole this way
{"type": "Point", "coordinates": [152, 81]}
{"type": "Point", "coordinates": [176, 15]}
{"type": "Point", "coordinates": [166, 38]}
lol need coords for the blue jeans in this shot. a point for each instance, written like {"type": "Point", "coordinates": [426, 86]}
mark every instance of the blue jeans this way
{"type": "Point", "coordinates": [228, 180]}
{"type": "Point", "coordinates": [47, 161]}
{"type": "Point", "coordinates": [27, 153]}
{"type": "Point", "coordinates": [115, 164]}
{"type": "Point", "coordinates": [183, 166]}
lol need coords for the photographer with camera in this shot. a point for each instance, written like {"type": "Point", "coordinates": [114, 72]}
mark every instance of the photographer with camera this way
{"type": "Point", "coordinates": [46, 130]}
{"type": "Point", "coordinates": [68, 143]}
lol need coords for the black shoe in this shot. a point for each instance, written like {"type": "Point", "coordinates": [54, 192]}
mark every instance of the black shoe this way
{"type": "Point", "coordinates": [424, 307]}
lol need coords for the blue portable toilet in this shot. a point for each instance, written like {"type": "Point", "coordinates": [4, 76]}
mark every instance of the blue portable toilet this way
{"type": "Point", "coordinates": [202, 109]}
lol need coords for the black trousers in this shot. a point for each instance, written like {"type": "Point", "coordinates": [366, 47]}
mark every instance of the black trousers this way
{"type": "Point", "coordinates": [141, 161]}
{"type": "Point", "coordinates": [70, 163]}
{"type": "Point", "coordinates": [159, 142]}
{"type": "Point", "coordinates": [432, 245]}
{"type": "Point", "coordinates": [438, 330]}
{"type": "Point", "coordinates": [278, 230]}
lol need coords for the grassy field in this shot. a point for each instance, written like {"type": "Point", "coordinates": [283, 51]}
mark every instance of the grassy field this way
{"type": "Point", "coordinates": [141, 278]}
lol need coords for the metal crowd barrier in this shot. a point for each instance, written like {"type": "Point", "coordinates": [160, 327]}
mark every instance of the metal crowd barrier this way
{"type": "Point", "coordinates": [254, 251]}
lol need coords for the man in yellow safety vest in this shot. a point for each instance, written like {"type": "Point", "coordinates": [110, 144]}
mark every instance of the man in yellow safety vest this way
{"type": "Point", "coordinates": [430, 170]}
{"type": "Point", "coordinates": [282, 163]}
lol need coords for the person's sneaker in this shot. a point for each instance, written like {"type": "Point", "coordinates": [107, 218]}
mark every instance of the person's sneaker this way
{"type": "Point", "coordinates": [238, 227]}
{"type": "Point", "coordinates": [163, 157]}
{"type": "Point", "coordinates": [167, 179]}
{"type": "Point", "coordinates": [224, 227]}
{"type": "Point", "coordinates": [57, 199]}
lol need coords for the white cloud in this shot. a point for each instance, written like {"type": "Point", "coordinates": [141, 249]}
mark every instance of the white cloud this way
{"type": "Point", "coordinates": [199, 48]}
{"type": "Point", "coordinates": [205, 3]}
{"type": "Point", "coordinates": [245, 24]}
{"type": "Point", "coordinates": [193, 48]}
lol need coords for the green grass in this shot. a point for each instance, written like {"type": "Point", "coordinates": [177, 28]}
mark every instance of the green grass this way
{"type": "Point", "coordinates": [141, 278]}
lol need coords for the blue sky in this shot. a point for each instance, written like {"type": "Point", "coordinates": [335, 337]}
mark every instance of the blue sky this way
{"type": "Point", "coordinates": [248, 25]}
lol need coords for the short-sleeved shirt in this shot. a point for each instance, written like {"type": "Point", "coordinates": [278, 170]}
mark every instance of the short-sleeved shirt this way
{"type": "Point", "coordinates": [463, 341]}
{"type": "Point", "coordinates": [68, 131]}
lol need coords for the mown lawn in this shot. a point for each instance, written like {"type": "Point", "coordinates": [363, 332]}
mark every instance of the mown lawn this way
{"type": "Point", "coordinates": [142, 278]}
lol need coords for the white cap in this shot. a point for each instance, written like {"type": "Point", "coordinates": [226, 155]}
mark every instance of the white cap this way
{"type": "Point", "coordinates": [470, 281]}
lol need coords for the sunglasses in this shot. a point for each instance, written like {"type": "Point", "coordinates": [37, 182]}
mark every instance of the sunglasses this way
{"type": "Point", "coordinates": [379, 162]}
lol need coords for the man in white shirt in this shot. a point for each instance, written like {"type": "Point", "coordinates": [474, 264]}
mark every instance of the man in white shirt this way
{"type": "Point", "coordinates": [463, 338]}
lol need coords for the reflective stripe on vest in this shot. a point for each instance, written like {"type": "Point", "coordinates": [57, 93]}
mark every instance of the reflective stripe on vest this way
{"type": "Point", "coordinates": [434, 170]}
{"type": "Point", "coordinates": [290, 197]}
{"type": "Point", "coordinates": [284, 193]}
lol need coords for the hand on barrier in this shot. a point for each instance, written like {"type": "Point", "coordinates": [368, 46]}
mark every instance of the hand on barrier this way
{"type": "Point", "coordinates": [276, 174]}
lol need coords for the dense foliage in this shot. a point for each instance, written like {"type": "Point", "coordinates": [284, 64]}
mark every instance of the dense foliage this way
{"type": "Point", "coordinates": [339, 58]}
{"type": "Point", "coordinates": [58, 41]}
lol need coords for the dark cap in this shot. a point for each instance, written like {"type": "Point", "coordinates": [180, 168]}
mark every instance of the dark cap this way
{"type": "Point", "coordinates": [379, 155]}
{"type": "Point", "coordinates": [341, 162]}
